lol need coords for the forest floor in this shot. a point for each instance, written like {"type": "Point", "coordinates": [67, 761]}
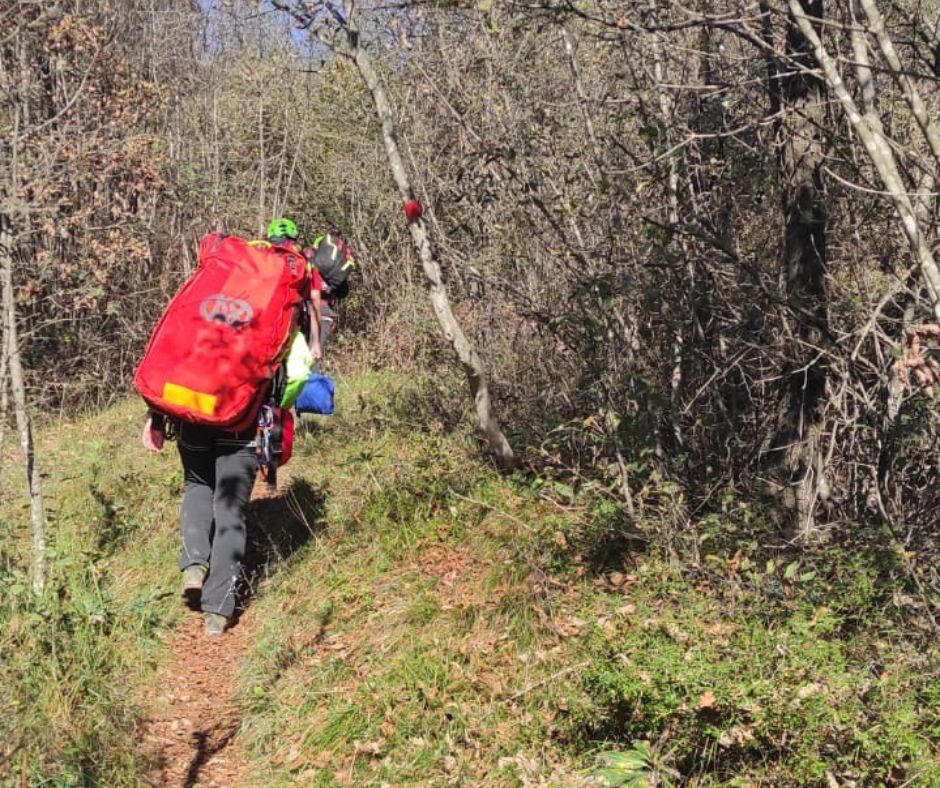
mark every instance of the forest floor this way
{"type": "Point", "coordinates": [418, 619]}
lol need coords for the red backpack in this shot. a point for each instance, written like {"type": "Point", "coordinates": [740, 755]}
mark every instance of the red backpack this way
{"type": "Point", "coordinates": [222, 337]}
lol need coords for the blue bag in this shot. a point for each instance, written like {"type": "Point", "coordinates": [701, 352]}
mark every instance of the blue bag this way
{"type": "Point", "coordinates": [317, 395]}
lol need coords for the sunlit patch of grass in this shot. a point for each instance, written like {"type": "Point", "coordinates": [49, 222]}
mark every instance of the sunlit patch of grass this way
{"type": "Point", "coordinates": [69, 657]}
{"type": "Point", "coordinates": [418, 561]}
{"type": "Point", "coordinates": [777, 692]}
{"type": "Point", "coordinates": [439, 623]}
{"type": "Point", "coordinates": [487, 635]}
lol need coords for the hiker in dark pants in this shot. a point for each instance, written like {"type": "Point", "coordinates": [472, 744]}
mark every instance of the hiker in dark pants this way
{"type": "Point", "coordinates": [219, 471]}
{"type": "Point", "coordinates": [220, 465]}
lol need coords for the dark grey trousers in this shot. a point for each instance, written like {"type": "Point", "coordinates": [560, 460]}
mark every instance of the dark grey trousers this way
{"type": "Point", "coordinates": [326, 323]}
{"type": "Point", "coordinates": [219, 472]}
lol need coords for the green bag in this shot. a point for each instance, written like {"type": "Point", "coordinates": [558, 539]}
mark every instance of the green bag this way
{"type": "Point", "coordinates": [298, 369]}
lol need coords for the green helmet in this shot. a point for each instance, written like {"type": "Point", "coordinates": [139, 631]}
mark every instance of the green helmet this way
{"type": "Point", "coordinates": [282, 228]}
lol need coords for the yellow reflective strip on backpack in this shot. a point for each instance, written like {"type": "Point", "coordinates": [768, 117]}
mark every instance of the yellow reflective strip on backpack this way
{"type": "Point", "coordinates": [187, 398]}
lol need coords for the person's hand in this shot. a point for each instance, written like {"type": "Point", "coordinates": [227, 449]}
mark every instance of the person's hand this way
{"type": "Point", "coordinates": [316, 353]}
{"type": "Point", "coordinates": [150, 437]}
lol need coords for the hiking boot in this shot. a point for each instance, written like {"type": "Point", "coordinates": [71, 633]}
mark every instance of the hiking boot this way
{"type": "Point", "coordinates": [215, 623]}
{"type": "Point", "coordinates": [193, 578]}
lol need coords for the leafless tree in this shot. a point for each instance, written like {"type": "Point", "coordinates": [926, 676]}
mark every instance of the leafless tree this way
{"type": "Point", "coordinates": [351, 45]}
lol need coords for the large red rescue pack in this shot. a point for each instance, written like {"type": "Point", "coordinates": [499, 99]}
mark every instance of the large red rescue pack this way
{"type": "Point", "coordinates": [222, 337]}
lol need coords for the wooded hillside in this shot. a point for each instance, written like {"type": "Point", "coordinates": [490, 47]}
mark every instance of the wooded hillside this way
{"type": "Point", "coordinates": [685, 251]}
{"type": "Point", "coordinates": [693, 240]}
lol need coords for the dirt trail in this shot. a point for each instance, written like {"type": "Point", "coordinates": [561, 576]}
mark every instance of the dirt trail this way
{"type": "Point", "coordinates": [190, 732]}
{"type": "Point", "coordinates": [194, 722]}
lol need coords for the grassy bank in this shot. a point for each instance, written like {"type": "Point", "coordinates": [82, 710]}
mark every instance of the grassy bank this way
{"type": "Point", "coordinates": [67, 660]}
{"type": "Point", "coordinates": [447, 625]}
{"type": "Point", "coordinates": [426, 621]}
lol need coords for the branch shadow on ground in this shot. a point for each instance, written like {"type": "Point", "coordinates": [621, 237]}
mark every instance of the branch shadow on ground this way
{"type": "Point", "coordinates": [277, 528]}
{"type": "Point", "coordinates": [206, 748]}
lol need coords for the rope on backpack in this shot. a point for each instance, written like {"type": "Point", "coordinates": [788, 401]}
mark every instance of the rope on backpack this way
{"type": "Point", "coordinates": [268, 445]}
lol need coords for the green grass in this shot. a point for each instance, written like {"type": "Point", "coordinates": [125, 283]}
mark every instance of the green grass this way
{"type": "Point", "coordinates": [781, 693]}
{"type": "Point", "coordinates": [65, 713]}
{"type": "Point", "coordinates": [527, 660]}
{"type": "Point", "coordinates": [423, 620]}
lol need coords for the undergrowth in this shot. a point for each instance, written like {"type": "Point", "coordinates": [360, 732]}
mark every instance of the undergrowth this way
{"type": "Point", "coordinates": [424, 620]}
{"type": "Point", "coordinates": [504, 631]}
{"type": "Point", "coordinates": [66, 716]}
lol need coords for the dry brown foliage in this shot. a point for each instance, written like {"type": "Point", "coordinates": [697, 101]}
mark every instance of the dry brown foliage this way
{"type": "Point", "coordinates": [925, 370]}
{"type": "Point", "coordinates": [613, 194]}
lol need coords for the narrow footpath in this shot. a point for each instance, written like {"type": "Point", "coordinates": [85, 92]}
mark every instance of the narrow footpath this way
{"type": "Point", "coordinates": [190, 732]}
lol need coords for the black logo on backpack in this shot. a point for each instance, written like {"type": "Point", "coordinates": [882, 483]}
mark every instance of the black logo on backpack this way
{"type": "Point", "coordinates": [333, 259]}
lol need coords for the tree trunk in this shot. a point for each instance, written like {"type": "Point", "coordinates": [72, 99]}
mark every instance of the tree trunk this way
{"type": "Point", "coordinates": [882, 156]}
{"type": "Point", "coordinates": [469, 359]}
{"type": "Point", "coordinates": [801, 94]}
{"type": "Point", "coordinates": [24, 425]}
{"type": "Point", "coordinates": [908, 87]}
{"type": "Point", "coordinates": [583, 104]}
